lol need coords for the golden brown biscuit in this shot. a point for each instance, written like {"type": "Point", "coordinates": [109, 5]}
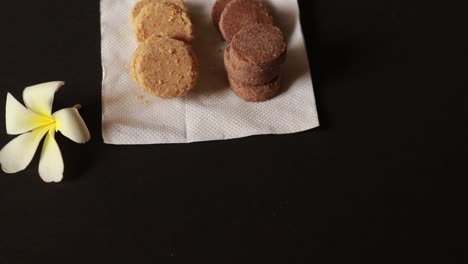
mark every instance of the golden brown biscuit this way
{"type": "Point", "coordinates": [165, 67]}
{"type": "Point", "coordinates": [133, 71]}
{"type": "Point", "coordinates": [163, 19]}
{"type": "Point", "coordinates": [140, 4]}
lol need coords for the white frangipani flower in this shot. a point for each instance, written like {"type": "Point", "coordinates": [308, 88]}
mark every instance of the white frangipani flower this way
{"type": "Point", "coordinates": [35, 121]}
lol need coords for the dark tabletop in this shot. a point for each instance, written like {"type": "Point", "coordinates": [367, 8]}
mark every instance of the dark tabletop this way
{"type": "Point", "coordinates": [379, 182]}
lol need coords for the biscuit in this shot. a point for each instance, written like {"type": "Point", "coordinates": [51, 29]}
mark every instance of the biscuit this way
{"type": "Point", "coordinates": [140, 4]}
{"type": "Point", "coordinates": [218, 8]}
{"type": "Point", "coordinates": [163, 19]}
{"type": "Point", "coordinates": [240, 13]}
{"type": "Point", "coordinates": [260, 45]}
{"type": "Point", "coordinates": [165, 67]}
{"type": "Point", "coordinates": [250, 74]}
{"type": "Point", "coordinates": [133, 71]}
{"type": "Point", "coordinates": [259, 93]}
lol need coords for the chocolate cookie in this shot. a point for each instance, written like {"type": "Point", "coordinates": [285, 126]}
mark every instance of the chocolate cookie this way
{"type": "Point", "coordinates": [142, 3]}
{"type": "Point", "coordinates": [165, 67]}
{"type": "Point", "coordinates": [240, 13]}
{"type": "Point", "coordinates": [163, 19]}
{"type": "Point", "coordinates": [260, 45]}
{"type": "Point", "coordinates": [218, 9]}
{"type": "Point", "coordinates": [250, 74]}
{"type": "Point", "coordinates": [259, 93]}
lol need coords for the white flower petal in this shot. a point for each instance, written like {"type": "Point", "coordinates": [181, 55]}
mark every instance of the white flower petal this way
{"type": "Point", "coordinates": [17, 154]}
{"type": "Point", "coordinates": [69, 122]}
{"type": "Point", "coordinates": [51, 163]}
{"type": "Point", "coordinates": [39, 98]}
{"type": "Point", "coordinates": [19, 119]}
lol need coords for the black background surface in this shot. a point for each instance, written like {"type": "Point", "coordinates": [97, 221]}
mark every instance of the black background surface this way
{"type": "Point", "coordinates": [379, 182]}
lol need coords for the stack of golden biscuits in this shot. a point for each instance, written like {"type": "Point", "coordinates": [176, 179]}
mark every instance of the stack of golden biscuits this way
{"type": "Point", "coordinates": [164, 63]}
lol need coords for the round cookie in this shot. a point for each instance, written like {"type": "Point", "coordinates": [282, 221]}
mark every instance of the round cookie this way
{"type": "Point", "coordinates": [258, 93]}
{"type": "Point", "coordinates": [165, 67]}
{"type": "Point", "coordinates": [251, 75]}
{"type": "Point", "coordinates": [142, 3]}
{"type": "Point", "coordinates": [163, 19]}
{"type": "Point", "coordinates": [133, 71]}
{"type": "Point", "coordinates": [240, 13]}
{"type": "Point", "coordinates": [259, 45]}
{"type": "Point", "coordinates": [217, 10]}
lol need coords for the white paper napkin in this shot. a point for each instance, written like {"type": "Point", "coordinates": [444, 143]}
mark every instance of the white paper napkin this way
{"type": "Point", "coordinates": [211, 111]}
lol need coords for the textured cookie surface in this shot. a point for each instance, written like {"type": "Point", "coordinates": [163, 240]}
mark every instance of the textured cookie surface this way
{"type": "Point", "coordinates": [240, 13]}
{"type": "Point", "coordinates": [249, 74]}
{"type": "Point", "coordinates": [163, 19]}
{"type": "Point", "coordinates": [165, 67]}
{"type": "Point", "coordinates": [142, 3]}
{"type": "Point", "coordinates": [262, 45]}
{"type": "Point", "coordinates": [217, 10]}
{"type": "Point", "coordinates": [259, 93]}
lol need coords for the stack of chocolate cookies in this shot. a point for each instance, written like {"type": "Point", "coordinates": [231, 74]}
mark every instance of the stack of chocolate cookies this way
{"type": "Point", "coordinates": [256, 49]}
